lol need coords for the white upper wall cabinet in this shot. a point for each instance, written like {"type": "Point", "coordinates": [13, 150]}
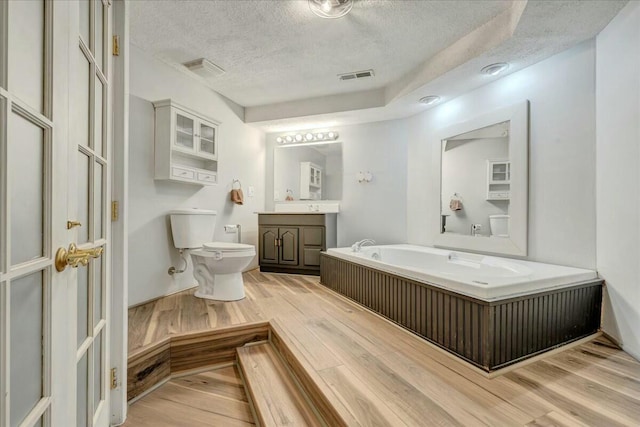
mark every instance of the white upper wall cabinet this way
{"type": "Point", "coordinates": [186, 145]}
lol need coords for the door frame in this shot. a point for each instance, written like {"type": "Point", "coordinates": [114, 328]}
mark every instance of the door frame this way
{"type": "Point", "coordinates": [119, 193]}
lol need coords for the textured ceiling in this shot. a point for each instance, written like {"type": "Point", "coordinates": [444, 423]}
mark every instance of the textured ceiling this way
{"type": "Point", "coordinates": [281, 61]}
{"type": "Point", "coordinates": [275, 51]}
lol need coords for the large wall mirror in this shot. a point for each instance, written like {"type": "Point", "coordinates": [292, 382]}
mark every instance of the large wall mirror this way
{"type": "Point", "coordinates": [310, 171]}
{"type": "Point", "coordinates": [484, 183]}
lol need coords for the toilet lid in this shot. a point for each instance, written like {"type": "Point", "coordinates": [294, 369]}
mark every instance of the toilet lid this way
{"type": "Point", "coordinates": [226, 246]}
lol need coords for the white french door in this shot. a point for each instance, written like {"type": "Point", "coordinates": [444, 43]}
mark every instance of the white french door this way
{"type": "Point", "coordinates": [54, 187]}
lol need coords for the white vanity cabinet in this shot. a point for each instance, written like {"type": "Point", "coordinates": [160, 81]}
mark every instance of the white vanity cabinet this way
{"type": "Point", "coordinates": [186, 145]}
{"type": "Point", "coordinates": [310, 181]}
{"type": "Point", "coordinates": [498, 179]}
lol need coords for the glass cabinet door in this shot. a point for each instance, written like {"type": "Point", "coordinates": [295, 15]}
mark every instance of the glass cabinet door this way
{"type": "Point", "coordinates": [500, 172]}
{"type": "Point", "coordinates": [185, 132]}
{"type": "Point", "coordinates": [207, 140]}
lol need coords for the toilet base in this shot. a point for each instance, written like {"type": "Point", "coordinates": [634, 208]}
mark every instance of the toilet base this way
{"type": "Point", "coordinates": [221, 287]}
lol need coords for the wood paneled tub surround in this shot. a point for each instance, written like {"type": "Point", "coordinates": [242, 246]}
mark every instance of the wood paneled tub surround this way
{"type": "Point", "coordinates": [510, 323]}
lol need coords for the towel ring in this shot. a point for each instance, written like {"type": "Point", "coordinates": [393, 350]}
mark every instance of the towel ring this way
{"type": "Point", "coordinates": [236, 181]}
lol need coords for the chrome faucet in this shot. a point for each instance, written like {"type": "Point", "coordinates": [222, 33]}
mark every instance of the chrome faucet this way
{"type": "Point", "coordinates": [357, 245]}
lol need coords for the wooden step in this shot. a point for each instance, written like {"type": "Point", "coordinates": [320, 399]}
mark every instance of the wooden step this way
{"type": "Point", "coordinates": [276, 398]}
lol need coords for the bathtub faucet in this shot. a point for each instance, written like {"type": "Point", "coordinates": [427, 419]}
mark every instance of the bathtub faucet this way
{"type": "Point", "coordinates": [357, 245]}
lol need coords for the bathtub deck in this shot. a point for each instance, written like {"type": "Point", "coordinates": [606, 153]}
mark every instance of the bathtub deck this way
{"type": "Point", "coordinates": [379, 374]}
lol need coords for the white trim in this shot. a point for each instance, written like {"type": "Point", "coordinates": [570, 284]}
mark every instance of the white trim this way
{"type": "Point", "coordinates": [516, 244]}
{"type": "Point", "coordinates": [4, 43]}
{"type": "Point", "coordinates": [4, 353]}
{"type": "Point", "coordinates": [119, 229]}
{"type": "Point", "coordinates": [4, 190]}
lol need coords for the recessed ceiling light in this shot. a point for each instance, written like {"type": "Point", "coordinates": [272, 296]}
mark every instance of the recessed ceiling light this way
{"type": "Point", "coordinates": [330, 8]}
{"type": "Point", "coordinates": [430, 100]}
{"type": "Point", "coordinates": [495, 69]}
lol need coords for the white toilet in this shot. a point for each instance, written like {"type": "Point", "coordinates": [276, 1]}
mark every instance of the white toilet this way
{"type": "Point", "coordinates": [217, 266]}
{"type": "Point", "coordinates": [499, 225]}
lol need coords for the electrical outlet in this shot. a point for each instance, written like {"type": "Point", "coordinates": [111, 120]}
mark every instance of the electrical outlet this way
{"type": "Point", "coordinates": [251, 191]}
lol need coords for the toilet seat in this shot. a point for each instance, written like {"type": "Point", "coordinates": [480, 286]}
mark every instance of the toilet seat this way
{"type": "Point", "coordinates": [221, 250]}
{"type": "Point", "coordinates": [226, 247]}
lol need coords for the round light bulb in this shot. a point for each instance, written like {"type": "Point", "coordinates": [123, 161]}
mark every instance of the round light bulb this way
{"type": "Point", "coordinates": [298, 137]}
{"type": "Point", "coordinates": [330, 8]}
{"type": "Point", "coordinates": [289, 138]}
{"type": "Point", "coordinates": [309, 136]}
{"type": "Point", "coordinates": [279, 140]}
{"type": "Point", "coordinates": [320, 135]}
{"type": "Point", "coordinates": [331, 135]}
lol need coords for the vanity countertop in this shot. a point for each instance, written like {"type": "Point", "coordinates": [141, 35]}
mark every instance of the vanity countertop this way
{"type": "Point", "coordinates": [295, 213]}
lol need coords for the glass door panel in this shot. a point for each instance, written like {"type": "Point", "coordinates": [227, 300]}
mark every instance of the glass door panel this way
{"type": "Point", "coordinates": [85, 19]}
{"type": "Point", "coordinates": [84, 195]}
{"type": "Point", "coordinates": [26, 66]}
{"type": "Point", "coordinates": [99, 33]}
{"type": "Point", "coordinates": [207, 140]}
{"type": "Point", "coordinates": [25, 155]}
{"type": "Point", "coordinates": [99, 206]}
{"type": "Point", "coordinates": [26, 345]}
{"type": "Point", "coordinates": [98, 290]}
{"type": "Point", "coordinates": [83, 94]}
{"type": "Point", "coordinates": [97, 141]}
{"type": "Point", "coordinates": [82, 391]}
{"type": "Point", "coordinates": [185, 134]}
{"type": "Point", "coordinates": [97, 372]}
{"type": "Point", "coordinates": [82, 296]}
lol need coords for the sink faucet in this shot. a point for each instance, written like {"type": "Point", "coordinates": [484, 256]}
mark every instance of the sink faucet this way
{"type": "Point", "coordinates": [357, 245]}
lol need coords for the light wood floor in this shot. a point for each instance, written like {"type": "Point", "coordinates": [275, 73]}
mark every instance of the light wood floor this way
{"type": "Point", "coordinates": [213, 398]}
{"type": "Point", "coordinates": [379, 374]}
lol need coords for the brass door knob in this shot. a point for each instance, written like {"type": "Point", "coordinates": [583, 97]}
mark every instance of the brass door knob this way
{"type": "Point", "coordinates": [74, 256]}
{"type": "Point", "coordinates": [71, 224]}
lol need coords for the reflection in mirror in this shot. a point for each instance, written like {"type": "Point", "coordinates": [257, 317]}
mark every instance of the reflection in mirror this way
{"type": "Point", "coordinates": [308, 172]}
{"type": "Point", "coordinates": [476, 182]}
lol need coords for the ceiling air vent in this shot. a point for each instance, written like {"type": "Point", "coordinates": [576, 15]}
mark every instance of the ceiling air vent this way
{"type": "Point", "coordinates": [356, 75]}
{"type": "Point", "coordinates": [204, 68]}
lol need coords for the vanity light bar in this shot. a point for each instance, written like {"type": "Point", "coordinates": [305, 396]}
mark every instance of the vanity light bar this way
{"type": "Point", "coordinates": [307, 137]}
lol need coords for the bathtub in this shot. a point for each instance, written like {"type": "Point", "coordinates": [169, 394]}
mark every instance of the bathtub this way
{"type": "Point", "coordinates": [480, 276]}
{"type": "Point", "coordinates": [490, 311]}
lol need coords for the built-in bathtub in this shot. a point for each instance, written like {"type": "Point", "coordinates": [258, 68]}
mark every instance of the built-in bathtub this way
{"type": "Point", "coordinates": [488, 310]}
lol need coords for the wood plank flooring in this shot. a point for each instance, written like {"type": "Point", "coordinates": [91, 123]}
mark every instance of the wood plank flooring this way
{"type": "Point", "coordinates": [375, 373]}
{"type": "Point", "coordinates": [213, 398]}
{"type": "Point", "coordinates": [276, 398]}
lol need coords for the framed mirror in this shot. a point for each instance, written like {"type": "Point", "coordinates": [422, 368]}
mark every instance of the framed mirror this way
{"type": "Point", "coordinates": [308, 171]}
{"type": "Point", "coordinates": [484, 172]}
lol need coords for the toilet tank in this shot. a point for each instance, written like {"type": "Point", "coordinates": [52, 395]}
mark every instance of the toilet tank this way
{"type": "Point", "coordinates": [499, 225]}
{"type": "Point", "coordinates": [192, 227]}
